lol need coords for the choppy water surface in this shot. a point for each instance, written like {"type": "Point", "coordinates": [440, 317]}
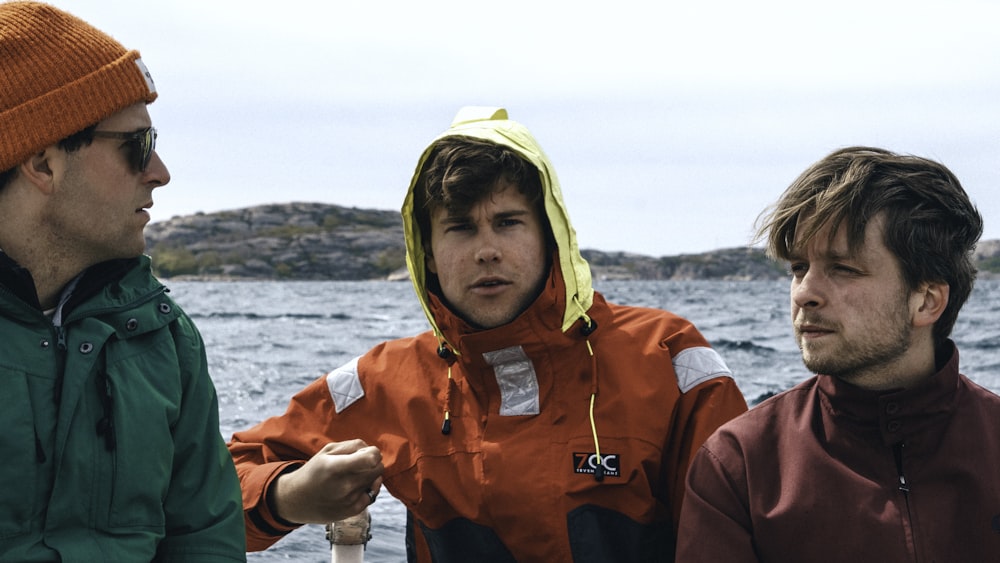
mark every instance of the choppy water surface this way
{"type": "Point", "coordinates": [267, 340]}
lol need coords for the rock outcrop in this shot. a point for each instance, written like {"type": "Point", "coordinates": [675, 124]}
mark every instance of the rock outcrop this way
{"type": "Point", "coordinates": [317, 241]}
{"type": "Point", "coordinates": [303, 241]}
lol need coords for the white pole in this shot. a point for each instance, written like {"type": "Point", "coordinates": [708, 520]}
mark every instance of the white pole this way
{"type": "Point", "coordinates": [348, 538]}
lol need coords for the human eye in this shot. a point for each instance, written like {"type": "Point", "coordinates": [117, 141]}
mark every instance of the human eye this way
{"type": "Point", "coordinates": [457, 227]}
{"type": "Point", "coordinates": [510, 222]}
{"type": "Point", "coordinates": [512, 219]}
{"type": "Point", "coordinates": [797, 269]}
{"type": "Point", "coordinates": [846, 270]}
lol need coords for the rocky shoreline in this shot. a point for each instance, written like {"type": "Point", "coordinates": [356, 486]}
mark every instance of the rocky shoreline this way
{"type": "Point", "coordinates": [318, 241]}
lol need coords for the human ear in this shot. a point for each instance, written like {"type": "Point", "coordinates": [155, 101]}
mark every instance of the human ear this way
{"type": "Point", "coordinates": [429, 260]}
{"type": "Point", "coordinates": [930, 301]}
{"type": "Point", "coordinates": [37, 170]}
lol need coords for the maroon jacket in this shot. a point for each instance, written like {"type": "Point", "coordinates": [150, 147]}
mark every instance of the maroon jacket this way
{"type": "Point", "coordinates": [828, 472]}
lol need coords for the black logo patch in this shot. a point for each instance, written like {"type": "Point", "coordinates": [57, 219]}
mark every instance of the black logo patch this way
{"type": "Point", "coordinates": [586, 462]}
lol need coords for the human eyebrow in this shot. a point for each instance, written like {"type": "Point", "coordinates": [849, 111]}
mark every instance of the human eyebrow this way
{"type": "Point", "coordinates": [856, 263]}
{"type": "Point", "coordinates": [455, 219]}
{"type": "Point", "coordinates": [841, 256]}
{"type": "Point", "coordinates": [455, 223]}
{"type": "Point", "coordinates": [512, 214]}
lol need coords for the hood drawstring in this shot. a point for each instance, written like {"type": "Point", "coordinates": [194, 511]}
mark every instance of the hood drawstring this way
{"type": "Point", "coordinates": [447, 355]}
{"type": "Point", "coordinates": [588, 328]}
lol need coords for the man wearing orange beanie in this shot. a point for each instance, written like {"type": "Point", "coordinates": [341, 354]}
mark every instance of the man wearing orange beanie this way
{"type": "Point", "coordinates": [110, 440]}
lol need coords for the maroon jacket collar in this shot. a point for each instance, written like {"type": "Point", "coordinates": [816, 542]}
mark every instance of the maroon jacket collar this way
{"type": "Point", "coordinates": [894, 415]}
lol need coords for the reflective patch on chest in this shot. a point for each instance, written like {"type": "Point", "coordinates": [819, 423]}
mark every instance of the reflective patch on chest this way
{"type": "Point", "coordinates": [344, 385]}
{"type": "Point", "coordinates": [517, 380]}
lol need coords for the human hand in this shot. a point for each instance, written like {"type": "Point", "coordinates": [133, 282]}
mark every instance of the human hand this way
{"type": "Point", "coordinates": [331, 486]}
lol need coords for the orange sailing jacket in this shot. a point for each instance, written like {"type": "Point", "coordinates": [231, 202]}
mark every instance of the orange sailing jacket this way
{"type": "Point", "coordinates": [515, 479]}
{"type": "Point", "coordinates": [515, 475]}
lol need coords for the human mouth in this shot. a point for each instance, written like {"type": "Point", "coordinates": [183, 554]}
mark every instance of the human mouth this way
{"type": "Point", "coordinates": [811, 331]}
{"type": "Point", "coordinates": [489, 285]}
{"type": "Point", "coordinates": [143, 212]}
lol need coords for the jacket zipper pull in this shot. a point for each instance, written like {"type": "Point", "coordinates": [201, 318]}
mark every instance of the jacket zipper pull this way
{"type": "Point", "coordinates": [61, 347]}
{"type": "Point", "coordinates": [898, 452]}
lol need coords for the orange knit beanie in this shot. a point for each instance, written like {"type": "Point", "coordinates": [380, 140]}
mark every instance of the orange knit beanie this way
{"type": "Point", "coordinates": [59, 75]}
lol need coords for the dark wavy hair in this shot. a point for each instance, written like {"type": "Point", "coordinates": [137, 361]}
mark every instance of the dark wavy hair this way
{"type": "Point", "coordinates": [930, 225]}
{"type": "Point", "coordinates": [461, 171]}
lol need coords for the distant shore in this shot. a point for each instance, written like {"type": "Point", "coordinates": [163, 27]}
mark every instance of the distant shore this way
{"type": "Point", "coordinates": [318, 241]}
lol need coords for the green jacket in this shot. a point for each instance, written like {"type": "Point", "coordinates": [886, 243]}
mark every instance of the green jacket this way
{"type": "Point", "coordinates": [109, 427]}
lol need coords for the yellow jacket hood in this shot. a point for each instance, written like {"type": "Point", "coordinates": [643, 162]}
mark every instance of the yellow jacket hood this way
{"type": "Point", "coordinates": [492, 124]}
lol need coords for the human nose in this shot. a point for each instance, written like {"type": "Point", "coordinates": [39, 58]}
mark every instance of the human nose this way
{"type": "Point", "coordinates": [487, 249]}
{"type": "Point", "coordinates": [156, 171]}
{"type": "Point", "coordinates": [807, 290]}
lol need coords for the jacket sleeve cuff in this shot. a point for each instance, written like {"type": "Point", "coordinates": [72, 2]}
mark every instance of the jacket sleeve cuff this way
{"type": "Point", "coordinates": [260, 513]}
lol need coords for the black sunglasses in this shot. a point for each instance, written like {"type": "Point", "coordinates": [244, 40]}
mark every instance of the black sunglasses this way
{"type": "Point", "coordinates": [141, 145]}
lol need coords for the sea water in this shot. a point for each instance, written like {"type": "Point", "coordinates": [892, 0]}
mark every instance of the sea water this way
{"type": "Point", "coordinates": [267, 340]}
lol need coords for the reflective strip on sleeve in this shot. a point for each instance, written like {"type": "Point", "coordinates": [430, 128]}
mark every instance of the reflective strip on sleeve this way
{"type": "Point", "coordinates": [344, 385]}
{"type": "Point", "coordinates": [694, 366]}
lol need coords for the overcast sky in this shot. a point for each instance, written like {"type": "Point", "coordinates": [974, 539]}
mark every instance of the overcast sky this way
{"type": "Point", "coordinates": [671, 125]}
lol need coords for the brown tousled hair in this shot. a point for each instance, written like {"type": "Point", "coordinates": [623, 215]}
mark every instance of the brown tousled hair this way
{"type": "Point", "coordinates": [931, 226]}
{"type": "Point", "coordinates": [460, 171]}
